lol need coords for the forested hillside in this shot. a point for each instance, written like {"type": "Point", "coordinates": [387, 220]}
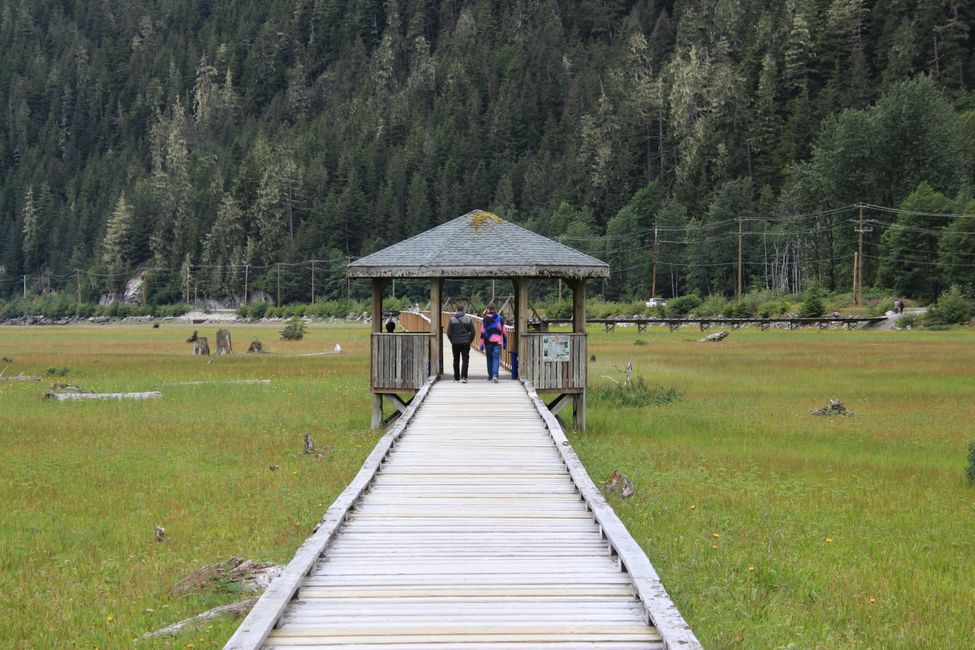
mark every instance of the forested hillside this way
{"type": "Point", "coordinates": [205, 141]}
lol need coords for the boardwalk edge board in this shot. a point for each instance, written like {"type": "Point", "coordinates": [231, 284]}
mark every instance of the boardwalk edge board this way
{"type": "Point", "coordinates": [674, 630]}
{"type": "Point", "coordinates": [254, 630]}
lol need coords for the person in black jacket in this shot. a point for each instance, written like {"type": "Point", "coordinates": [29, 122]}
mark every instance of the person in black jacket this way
{"type": "Point", "coordinates": [460, 332]}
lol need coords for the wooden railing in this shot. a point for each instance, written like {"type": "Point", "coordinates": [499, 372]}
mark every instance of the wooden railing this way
{"type": "Point", "coordinates": [400, 361]}
{"type": "Point", "coordinates": [414, 321]}
{"type": "Point", "coordinates": [547, 368]}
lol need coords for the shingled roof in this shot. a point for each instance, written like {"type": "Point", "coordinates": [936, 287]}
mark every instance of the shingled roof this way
{"type": "Point", "coordinates": [478, 245]}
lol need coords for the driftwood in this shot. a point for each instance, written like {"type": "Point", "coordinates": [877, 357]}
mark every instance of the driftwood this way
{"type": "Point", "coordinates": [20, 378]}
{"type": "Point", "coordinates": [224, 345]}
{"type": "Point", "coordinates": [258, 382]}
{"type": "Point", "coordinates": [152, 394]}
{"type": "Point", "coordinates": [835, 407]}
{"type": "Point", "coordinates": [200, 345]}
{"type": "Point", "coordinates": [714, 338]}
{"type": "Point", "coordinates": [620, 484]}
{"type": "Point", "coordinates": [251, 576]}
{"type": "Point", "coordinates": [236, 610]}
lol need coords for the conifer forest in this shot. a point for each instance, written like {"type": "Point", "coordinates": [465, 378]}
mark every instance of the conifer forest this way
{"type": "Point", "coordinates": [199, 141]}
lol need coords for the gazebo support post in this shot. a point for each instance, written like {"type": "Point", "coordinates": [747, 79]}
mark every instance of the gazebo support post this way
{"type": "Point", "coordinates": [579, 327]}
{"type": "Point", "coordinates": [436, 326]}
{"type": "Point", "coordinates": [377, 327]}
{"type": "Point", "coordinates": [521, 319]}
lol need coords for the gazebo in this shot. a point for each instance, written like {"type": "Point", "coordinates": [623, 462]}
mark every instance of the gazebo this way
{"type": "Point", "coordinates": [480, 245]}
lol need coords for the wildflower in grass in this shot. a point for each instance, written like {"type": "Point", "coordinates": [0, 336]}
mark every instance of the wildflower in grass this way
{"type": "Point", "coordinates": [828, 540]}
{"type": "Point", "coordinates": [873, 600]}
{"type": "Point", "coordinates": [109, 619]}
{"type": "Point", "coordinates": [715, 534]}
{"type": "Point", "coordinates": [714, 546]}
{"type": "Point", "coordinates": [693, 507]}
{"type": "Point", "coordinates": [751, 567]}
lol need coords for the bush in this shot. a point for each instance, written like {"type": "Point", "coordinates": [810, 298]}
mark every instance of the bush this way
{"type": "Point", "coordinates": [970, 470]}
{"type": "Point", "coordinates": [683, 305]}
{"type": "Point", "coordinates": [773, 308]}
{"type": "Point", "coordinates": [740, 310]}
{"type": "Point", "coordinates": [812, 306]}
{"type": "Point", "coordinates": [559, 309]}
{"type": "Point", "coordinates": [910, 320]}
{"type": "Point", "coordinates": [952, 308]}
{"type": "Point", "coordinates": [294, 330]}
{"type": "Point", "coordinates": [635, 393]}
{"type": "Point", "coordinates": [713, 305]}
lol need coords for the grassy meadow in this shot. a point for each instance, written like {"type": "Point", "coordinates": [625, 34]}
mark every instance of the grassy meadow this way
{"type": "Point", "coordinates": [770, 528]}
{"type": "Point", "coordinates": [83, 483]}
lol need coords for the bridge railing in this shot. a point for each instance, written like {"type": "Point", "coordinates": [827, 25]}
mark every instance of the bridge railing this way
{"type": "Point", "coordinates": [400, 360]}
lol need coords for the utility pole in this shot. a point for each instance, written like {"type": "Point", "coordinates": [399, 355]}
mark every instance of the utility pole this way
{"type": "Point", "coordinates": [738, 292]}
{"type": "Point", "coordinates": [313, 282]}
{"type": "Point", "coordinates": [653, 281]}
{"type": "Point", "coordinates": [247, 269]}
{"type": "Point", "coordinates": [278, 302]}
{"type": "Point", "coordinates": [77, 281]}
{"type": "Point", "coordinates": [860, 229]}
{"type": "Point", "coordinates": [856, 259]}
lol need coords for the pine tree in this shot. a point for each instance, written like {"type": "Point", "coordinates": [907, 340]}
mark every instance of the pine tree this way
{"type": "Point", "coordinates": [116, 246]}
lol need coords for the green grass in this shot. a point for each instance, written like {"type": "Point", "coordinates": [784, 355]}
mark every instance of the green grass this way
{"type": "Point", "coordinates": [83, 483]}
{"type": "Point", "coordinates": [833, 532]}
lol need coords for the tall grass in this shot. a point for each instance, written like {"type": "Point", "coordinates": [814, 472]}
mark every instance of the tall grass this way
{"type": "Point", "coordinates": [832, 533]}
{"type": "Point", "coordinates": [83, 484]}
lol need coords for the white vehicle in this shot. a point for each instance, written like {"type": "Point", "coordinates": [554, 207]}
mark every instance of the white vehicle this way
{"type": "Point", "coordinates": [655, 302]}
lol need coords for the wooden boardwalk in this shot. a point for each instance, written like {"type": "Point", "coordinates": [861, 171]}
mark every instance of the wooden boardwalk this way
{"type": "Point", "coordinates": [472, 526]}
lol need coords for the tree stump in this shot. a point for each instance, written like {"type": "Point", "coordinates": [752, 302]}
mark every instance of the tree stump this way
{"type": "Point", "coordinates": [255, 347]}
{"type": "Point", "coordinates": [200, 345]}
{"type": "Point", "coordinates": [224, 346]}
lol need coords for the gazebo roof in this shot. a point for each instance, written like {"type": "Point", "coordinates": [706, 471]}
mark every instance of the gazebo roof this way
{"type": "Point", "coordinates": [478, 245]}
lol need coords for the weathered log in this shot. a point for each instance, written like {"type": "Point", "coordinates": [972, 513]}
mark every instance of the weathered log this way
{"type": "Point", "coordinates": [237, 610]}
{"type": "Point", "coordinates": [224, 345]}
{"type": "Point", "coordinates": [714, 338]}
{"type": "Point", "coordinates": [152, 394]}
{"type": "Point", "coordinates": [258, 382]}
{"type": "Point", "coordinates": [21, 378]}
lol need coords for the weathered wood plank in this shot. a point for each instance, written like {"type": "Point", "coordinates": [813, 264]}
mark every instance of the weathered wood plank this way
{"type": "Point", "coordinates": [259, 623]}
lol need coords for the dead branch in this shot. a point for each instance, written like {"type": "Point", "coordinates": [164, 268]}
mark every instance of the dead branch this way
{"type": "Point", "coordinates": [152, 394]}
{"type": "Point", "coordinates": [237, 610]}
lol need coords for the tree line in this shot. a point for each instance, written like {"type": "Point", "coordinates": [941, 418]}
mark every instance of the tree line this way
{"type": "Point", "coordinates": [220, 138]}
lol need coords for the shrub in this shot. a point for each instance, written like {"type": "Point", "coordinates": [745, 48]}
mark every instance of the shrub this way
{"type": "Point", "coordinates": [740, 310]}
{"type": "Point", "coordinates": [773, 308]}
{"type": "Point", "coordinates": [559, 309]}
{"type": "Point", "coordinates": [683, 305]}
{"type": "Point", "coordinates": [952, 308]}
{"type": "Point", "coordinates": [970, 470]}
{"type": "Point", "coordinates": [635, 393]}
{"type": "Point", "coordinates": [812, 306]}
{"type": "Point", "coordinates": [880, 308]}
{"type": "Point", "coordinates": [639, 342]}
{"type": "Point", "coordinates": [294, 330]}
{"type": "Point", "coordinates": [910, 320]}
{"type": "Point", "coordinates": [713, 305]}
